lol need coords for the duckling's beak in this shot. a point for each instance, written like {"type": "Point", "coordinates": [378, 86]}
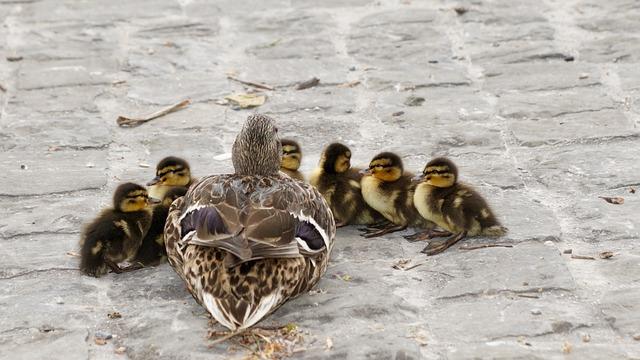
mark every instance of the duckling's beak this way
{"type": "Point", "coordinates": [365, 171]}
{"type": "Point", "coordinates": [154, 201]}
{"type": "Point", "coordinates": [418, 178]}
{"type": "Point", "coordinates": [154, 181]}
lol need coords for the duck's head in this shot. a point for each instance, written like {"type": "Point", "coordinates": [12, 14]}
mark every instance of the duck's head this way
{"type": "Point", "coordinates": [173, 194]}
{"type": "Point", "coordinates": [172, 171]}
{"type": "Point", "coordinates": [257, 148]}
{"type": "Point", "coordinates": [439, 172]}
{"type": "Point", "coordinates": [385, 166]}
{"type": "Point", "coordinates": [291, 155]}
{"type": "Point", "coordinates": [336, 158]}
{"type": "Point", "coordinates": [130, 197]}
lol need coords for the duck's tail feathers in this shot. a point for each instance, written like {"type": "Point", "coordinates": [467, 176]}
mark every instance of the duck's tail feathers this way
{"type": "Point", "coordinates": [238, 314]}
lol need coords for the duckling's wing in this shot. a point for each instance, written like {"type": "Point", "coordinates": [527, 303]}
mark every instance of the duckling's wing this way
{"type": "Point", "coordinates": [255, 217]}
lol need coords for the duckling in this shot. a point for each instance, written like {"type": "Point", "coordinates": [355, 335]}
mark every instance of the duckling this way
{"type": "Point", "coordinates": [388, 189]}
{"type": "Point", "coordinates": [245, 243]}
{"type": "Point", "coordinates": [171, 172]}
{"type": "Point", "coordinates": [291, 158]}
{"type": "Point", "coordinates": [453, 206]}
{"type": "Point", "coordinates": [116, 234]}
{"type": "Point", "coordinates": [339, 183]}
{"type": "Point", "coordinates": [152, 251]}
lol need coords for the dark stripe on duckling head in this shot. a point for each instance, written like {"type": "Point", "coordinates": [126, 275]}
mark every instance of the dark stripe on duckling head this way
{"type": "Point", "coordinates": [387, 159]}
{"type": "Point", "coordinates": [175, 162]}
{"type": "Point", "coordinates": [310, 235]}
{"type": "Point", "coordinates": [206, 219]}
{"type": "Point", "coordinates": [124, 190]}
{"type": "Point", "coordinates": [441, 165]}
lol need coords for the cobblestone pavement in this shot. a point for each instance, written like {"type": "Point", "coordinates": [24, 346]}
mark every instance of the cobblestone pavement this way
{"type": "Point", "coordinates": [536, 101]}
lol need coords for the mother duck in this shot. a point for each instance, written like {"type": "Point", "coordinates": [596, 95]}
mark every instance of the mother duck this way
{"type": "Point", "coordinates": [247, 242]}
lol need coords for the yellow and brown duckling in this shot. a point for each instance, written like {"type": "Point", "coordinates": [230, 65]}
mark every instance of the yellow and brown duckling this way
{"type": "Point", "coordinates": [291, 159]}
{"type": "Point", "coordinates": [153, 251]}
{"type": "Point", "coordinates": [245, 243]}
{"type": "Point", "coordinates": [455, 207]}
{"type": "Point", "coordinates": [339, 183]}
{"type": "Point", "coordinates": [388, 189]}
{"type": "Point", "coordinates": [116, 234]}
{"type": "Point", "coordinates": [170, 172]}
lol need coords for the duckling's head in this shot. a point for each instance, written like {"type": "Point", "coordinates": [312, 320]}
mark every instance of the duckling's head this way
{"type": "Point", "coordinates": [257, 148]}
{"type": "Point", "coordinates": [336, 158]}
{"type": "Point", "coordinates": [130, 197]}
{"type": "Point", "coordinates": [291, 155]}
{"type": "Point", "coordinates": [173, 194]}
{"type": "Point", "coordinates": [172, 171]}
{"type": "Point", "coordinates": [386, 166]}
{"type": "Point", "coordinates": [439, 172]}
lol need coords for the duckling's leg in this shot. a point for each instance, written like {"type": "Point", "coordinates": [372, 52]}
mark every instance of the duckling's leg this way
{"type": "Point", "coordinates": [113, 266]}
{"type": "Point", "coordinates": [427, 234]}
{"type": "Point", "coordinates": [132, 267]}
{"type": "Point", "coordinates": [386, 230]}
{"type": "Point", "coordinates": [376, 226]}
{"type": "Point", "coordinates": [436, 247]}
{"type": "Point", "coordinates": [341, 224]}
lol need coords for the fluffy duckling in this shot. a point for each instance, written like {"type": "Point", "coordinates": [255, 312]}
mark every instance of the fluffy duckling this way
{"type": "Point", "coordinates": [339, 183]}
{"type": "Point", "coordinates": [171, 172]}
{"type": "Point", "coordinates": [152, 251]}
{"type": "Point", "coordinates": [388, 189]}
{"type": "Point", "coordinates": [116, 234]}
{"type": "Point", "coordinates": [291, 158]}
{"type": "Point", "coordinates": [453, 206]}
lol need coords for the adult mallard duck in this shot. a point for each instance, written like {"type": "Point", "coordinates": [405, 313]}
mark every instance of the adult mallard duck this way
{"type": "Point", "coordinates": [245, 243]}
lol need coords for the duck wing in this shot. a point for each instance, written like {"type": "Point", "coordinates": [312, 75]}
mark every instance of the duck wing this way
{"type": "Point", "coordinates": [253, 217]}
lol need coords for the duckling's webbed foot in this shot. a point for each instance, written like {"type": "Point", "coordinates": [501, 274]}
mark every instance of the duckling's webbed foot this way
{"type": "Point", "coordinates": [436, 247]}
{"type": "Point", "coordinates": [427, 234]}
{"type": "Point", "coordinates": [386, 230]}
{"type": "Point", "coordinates": [376, 226]}
{"type": "Point", "coordinates": [113, 266]}
{"type": "Point", "coordinates": [132, 267]}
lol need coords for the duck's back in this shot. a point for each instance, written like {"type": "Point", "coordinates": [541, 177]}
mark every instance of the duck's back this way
{"type": "Point", "coordinates": [245, 244]}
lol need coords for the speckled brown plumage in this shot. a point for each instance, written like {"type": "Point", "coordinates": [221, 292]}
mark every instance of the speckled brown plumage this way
{"type": "Point", "coordinates": [245, 243]}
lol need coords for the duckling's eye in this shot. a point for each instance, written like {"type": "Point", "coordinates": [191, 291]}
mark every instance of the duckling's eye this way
{"type": "Point", "coordinates": [275, 129]}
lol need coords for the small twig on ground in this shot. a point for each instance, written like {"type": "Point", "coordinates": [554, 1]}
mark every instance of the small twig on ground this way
{"type": "Point", "coordinates": [227, 337]}
{"type": "Point", "coordinates": [73, 253]}
{"type": "Point", "coordinates": [483, 246]}
{"type": "Point", "coordinates": [582, 257]}
{"type": "Point", "coordinates": [616, 200]}
{"type": "Point", "coordinates": [308, 84]}
{"type": "Point", "coordinates": [2, 88]}
{"type": "Point", "coordinates": [133, 122]}
{"type": "Point", "coordinates": [250, 83]}
{"type": "Point", "coordinates": [529, 296]}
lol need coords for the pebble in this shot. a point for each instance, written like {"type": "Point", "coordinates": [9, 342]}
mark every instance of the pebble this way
{"type": "Point", "coordinates": [636, 336]}
{"type": "Point", "coordinates": [536, 312]}
{"type": "Point", "coordinates": [414, 101]}
{"type": "Point", "coordinates": [568, 251]}
{"type": "Point", "coordinates": [586, 338]}
{"type": "Point", "coordinates": [121, 350]}
{"type": "Point", "coordinates": [548, 243]}
{"type": "Point", "coordinates": [103, 335]}
{"type": "Point", "coordinates": [352, 68]}
{"type": "Point", "coordinates": [59, 300]}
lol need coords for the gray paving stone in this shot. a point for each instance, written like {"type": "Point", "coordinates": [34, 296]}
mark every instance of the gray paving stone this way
{"type": "Point", "coordinates": [532, 267]}
{"type": "Point", "coordinates": [540, 137]}
{"type": "Point", "coordinates": [84, 170]}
